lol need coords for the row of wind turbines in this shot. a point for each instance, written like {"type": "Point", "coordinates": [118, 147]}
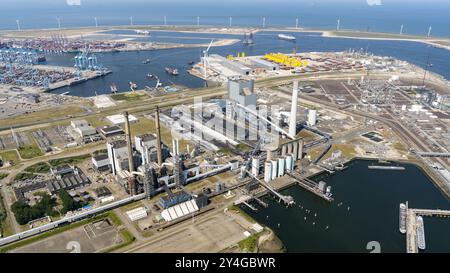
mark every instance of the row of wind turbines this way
{"type": "Point", "coordinates": [338, 24]}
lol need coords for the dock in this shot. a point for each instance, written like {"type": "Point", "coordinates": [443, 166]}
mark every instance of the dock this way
{"type": "Point", "coordinates": [412, 244]}
{"type": "Point", "coordinates": [310, 185]}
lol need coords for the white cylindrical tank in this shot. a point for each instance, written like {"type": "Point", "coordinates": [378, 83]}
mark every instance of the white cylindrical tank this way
{"type": "Point", "coordinates": [274, 169]}
{"type": "Point", "coordinates": [288, 163]}
{"type": "Point", "coordinates": [281, 163]}
{"type": "Point", "coordinates": [312, 117]}
{"type": "Point", "coordinates": [255, 166]}
{"type": "Point", "coordinates": [295, 150]}
{"type": "Point", "coordinates": [267, 171]}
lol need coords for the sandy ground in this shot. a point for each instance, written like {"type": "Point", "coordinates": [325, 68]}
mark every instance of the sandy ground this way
{"type": "Point", "coordinates": [207, 234]}
{"type": "Point", "coordinates": [60, 243]}
{"type": "Point", "coordinates": [441, 43]}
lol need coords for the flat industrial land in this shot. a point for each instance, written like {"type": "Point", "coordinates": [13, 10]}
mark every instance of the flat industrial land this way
{"type": "Point", "coordinates": [90, 238]}
{"type": "Point", "coordinates": [212, 234]}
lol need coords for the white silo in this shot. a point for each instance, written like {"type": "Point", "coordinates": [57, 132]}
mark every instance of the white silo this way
{"type": "Point", "coordinates": [281, 163]}
{"type": "Point", "coordinates": [267, 171]}
{"type": "Point", "coordinates": [312, 117]}
{"type": "Point", "coordinates": [274, 169]}
{"type": "Point", "coordinates": [255, 166]}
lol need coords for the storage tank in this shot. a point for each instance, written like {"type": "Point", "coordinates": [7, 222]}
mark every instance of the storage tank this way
{"type": "Point", "coordinates": [255, 166]}
{"type": "Point", "coordinates": [274, 169]}
{"type": "Point", "coordinates": [281, 163]}
{"type": "Point", "coordinates": [295, 150]}
{"type": "Point", "coordinates": [312, 117]}
{"type": "Point", "coordinates": [267, 171]}
{"type": "Point", "coordinates": [288, 163]}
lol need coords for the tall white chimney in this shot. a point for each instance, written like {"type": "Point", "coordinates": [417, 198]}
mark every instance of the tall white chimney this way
{"type": "Point", "coordinates": [293, 117]}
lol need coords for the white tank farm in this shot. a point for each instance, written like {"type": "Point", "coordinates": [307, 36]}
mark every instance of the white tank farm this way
{"type": "Point", "coordinates": [267, 171]}
{"type": "Point", "coordinates": [281, 163]}
{"type": "Point", "coordinates": [274, 169]}
{"type": "Point", "coordinates": [255, 166]}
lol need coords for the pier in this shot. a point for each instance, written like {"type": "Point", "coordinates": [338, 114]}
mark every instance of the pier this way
{"type": "Point", "coordinates": [310, 185]}
{"type": "Point", "coordinates": [412, 225]}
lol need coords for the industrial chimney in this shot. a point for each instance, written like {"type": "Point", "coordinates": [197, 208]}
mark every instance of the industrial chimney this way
{"type": "Point", "coordinates": [293, 117]}
{"type": "Point", "coordinates": [158, 137]}
{"type": "Point", "coordinates": [128, 136]}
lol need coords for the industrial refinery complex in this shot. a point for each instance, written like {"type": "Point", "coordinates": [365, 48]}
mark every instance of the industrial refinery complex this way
{"type": "Point", "coordinates": [172, 168]}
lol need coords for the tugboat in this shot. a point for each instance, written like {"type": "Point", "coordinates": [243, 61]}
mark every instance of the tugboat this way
{"type": "Point", "coordinates": [171, 71]}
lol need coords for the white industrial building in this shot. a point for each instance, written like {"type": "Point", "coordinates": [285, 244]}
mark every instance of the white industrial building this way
{"type": "Point", "coordinates": [100, 162]}
{"type": "Point", "coordinates": [117, 155]}
{"type": "Point", "coordinates": [81, 128]}
{"type": "Point", "coordinates": [179, 210]}
{"type": "Point", "coordinates": [137, 214]}
{"type": "Point", "coordinates": [120, 119]}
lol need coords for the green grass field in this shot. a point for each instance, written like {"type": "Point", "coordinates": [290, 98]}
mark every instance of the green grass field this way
{"type": "Point", "coordinates": [10, 155]}
{"type": "Point", "coordinates": [30, 151]}
{"type": "Point", "coordinates": [69, 160]}
{"type": "Point", "coordinates": [41, 167]}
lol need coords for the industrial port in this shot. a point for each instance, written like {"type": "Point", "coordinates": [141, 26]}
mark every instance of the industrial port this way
{"type": "Point", "coordinates": [140, 170]}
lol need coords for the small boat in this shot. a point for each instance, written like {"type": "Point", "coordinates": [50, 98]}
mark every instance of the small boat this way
{"type": "Point", "coordinates": [286, 37]}
{"type": "Point", "coordinates": [190, 62]}
{"type": "Point", "coordinates": [132, 85]}
{"type": "Point", "coordinates": [147, 61]}
{"type": "Point", "coordinates": [150, 76]}
{"type": "Point", "coordinates": [113, 88]}
{"type": "Point", "coordinates": [171, 71]}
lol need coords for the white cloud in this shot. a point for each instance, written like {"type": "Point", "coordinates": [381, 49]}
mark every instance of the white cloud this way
{"type": "Point", "coordinates": [73, 2]}
{"type": "Point", "coordinates": [374, 2]}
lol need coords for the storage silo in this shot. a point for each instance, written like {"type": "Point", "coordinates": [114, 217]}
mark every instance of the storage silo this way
{"type": "Point", "coordinates": [267, 171]}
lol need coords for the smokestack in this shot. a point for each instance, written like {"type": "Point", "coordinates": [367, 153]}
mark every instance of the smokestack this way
{"type": "Point", "coordinates": [128, 136]}
{"type": "Point", "coordinates": [293, 118]}
{"type": "Point", "coordinates": [158, 137]}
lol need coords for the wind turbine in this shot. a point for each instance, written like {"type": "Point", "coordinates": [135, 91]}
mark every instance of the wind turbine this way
{"type": "Point", "coordinates": [131, 20]}
{"type": "Point", "coordinates": [59, 22]}
{"type": "Point", "coordinates": [338, 24]}
{"type": "Point", "coordinates": [206, 61]}
{"type": "Point", "coordinates": [165, 20]}
{"type": "Point", "coordinates": [296, 22]}
{"type": "Point", "coordinates": [198, 21]}
{"type": "Point", "coordinates": [231, 19]}
{"type": "Point", "coordinates": [401, 29]}
{"type": "Point", "coordinates": [429, 32]}
{"type": "Point", "coordinates": [96, 22]}
{"type": "Point", "coordinates": [18, 24]}
{"type": "Point", "coordinates": [264, 22]}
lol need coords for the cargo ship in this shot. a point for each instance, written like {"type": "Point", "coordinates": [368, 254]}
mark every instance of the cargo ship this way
{"type": "Point", "coordinates": [388, 168]}
{"type": "Point", "coordinates": [171, 71]}
{"type": "Point", "coordinates": [420, 233]}
{"type": "Point", "coordinates": [286, 37]}
{"type": "Point", "coordinates": [402, 218]}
